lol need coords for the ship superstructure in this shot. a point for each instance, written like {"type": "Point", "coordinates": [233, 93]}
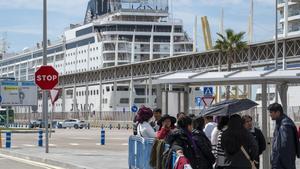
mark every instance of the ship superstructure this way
{"type": "Point", "coordinates": [114, 32]}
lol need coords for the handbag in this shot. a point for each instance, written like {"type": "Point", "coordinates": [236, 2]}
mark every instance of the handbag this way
{"type": "Point", "coordinates": [248, 157]}
{"type": "Point", "coordinates": [186, 164]}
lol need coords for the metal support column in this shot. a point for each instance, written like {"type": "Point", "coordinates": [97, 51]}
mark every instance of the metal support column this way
{"type": "Point", "coordinates": [115, 91]}
{"type": "Point", "coordinates": [101, 95]}
{"type": "Point", "coordinates": [159, 96]}
{"type": "Point", "coordinates": [283, 88]}
{"type": "Point", "coordinates": [266, 153]}
{"type": "Point", "coordinates": [284, 55]}
{"type": "Point", "coordinates": [186, 99]}
{"type": "Point", "coordinates": [86, 107]}
{"type": "Point", "coordinates": [150, 100]}
{"type": "Point", "coordinates": [131, 89]}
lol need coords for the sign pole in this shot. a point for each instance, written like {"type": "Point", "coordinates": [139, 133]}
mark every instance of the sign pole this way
{"type": "Point", "coordinates": [7, 116]}
{"type": "Point", "coordinates": [45, 93]}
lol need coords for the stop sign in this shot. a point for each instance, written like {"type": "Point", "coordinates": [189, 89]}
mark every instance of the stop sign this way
{"type": "Point", "coordinates": [46, 77]}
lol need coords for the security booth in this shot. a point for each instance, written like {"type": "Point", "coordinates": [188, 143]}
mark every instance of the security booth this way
{"type": "Point", "coordinates": [281, 78]}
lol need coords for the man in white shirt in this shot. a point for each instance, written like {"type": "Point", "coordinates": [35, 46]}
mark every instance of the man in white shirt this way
{"type": "Point", "coordinates": [209, 126]}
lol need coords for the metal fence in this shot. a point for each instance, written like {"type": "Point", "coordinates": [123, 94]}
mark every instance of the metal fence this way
{"type": "Point", "coordinates": [139, 151]}
{"type": "Point", "coordinates": [88, 116]}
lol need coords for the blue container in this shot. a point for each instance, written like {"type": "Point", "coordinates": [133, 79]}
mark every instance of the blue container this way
{"type": "Point", "coordinates": [40, 140]}
{"type": "Point", "coordinates": [8, 140]}
{"type": "Point", "coordinates": [102, 136]}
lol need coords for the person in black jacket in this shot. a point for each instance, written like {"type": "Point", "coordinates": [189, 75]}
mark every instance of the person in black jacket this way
{"type": "Point", "coordinates": [285, 144]}
{"type": "Point", "coordinates": [259, 137]}
{"type": "Point", "coordinates": [205, 157]}
{"type": "Point", "coordinates": [235, 137]}
{"type": "Point", "coordinates": [181, 140]}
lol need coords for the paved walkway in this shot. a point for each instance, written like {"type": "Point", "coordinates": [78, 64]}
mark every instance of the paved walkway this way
{"type": "Point", "coordinates": [75, 159]}
{"type": "Point", "coordinates": [72, 148]}
{"type": "Point", "coordinates": [77, 149]}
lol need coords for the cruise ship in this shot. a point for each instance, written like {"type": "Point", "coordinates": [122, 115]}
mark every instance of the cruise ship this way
{"type": "Point", "coordinates": [114, 32]}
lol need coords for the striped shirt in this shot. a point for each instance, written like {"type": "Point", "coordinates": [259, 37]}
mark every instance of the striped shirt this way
{"type": "Point", "coordinates": [218, 151]}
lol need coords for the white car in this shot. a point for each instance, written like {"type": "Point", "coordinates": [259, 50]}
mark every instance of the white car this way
{"type": "Point", "coordinates": [72, 123]}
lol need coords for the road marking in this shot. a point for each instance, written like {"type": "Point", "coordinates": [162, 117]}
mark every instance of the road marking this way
{"type": "Point", "coordinates": [28, 145]}
{"type": "Point", "coordinates": [74, 144]}
{"type": "Point", "coordinates": [52, 145]}
{"type": "Point", "coordinates": [33, 163]}
{"type": "Point", "coordinates": [83, 138]}
{"type": "Point", "coordinates": [124, 144]}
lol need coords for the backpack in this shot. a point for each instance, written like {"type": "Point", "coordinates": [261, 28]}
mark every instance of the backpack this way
{"type": "Point", "coordinates": [167, 161]}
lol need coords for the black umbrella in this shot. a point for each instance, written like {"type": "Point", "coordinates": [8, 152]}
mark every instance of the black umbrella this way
{"type": "Point", "coordinates": [229, 107]}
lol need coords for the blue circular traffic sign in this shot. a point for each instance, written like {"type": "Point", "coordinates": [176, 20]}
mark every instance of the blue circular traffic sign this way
{"type": "Point", "coordinates": [134, 108]}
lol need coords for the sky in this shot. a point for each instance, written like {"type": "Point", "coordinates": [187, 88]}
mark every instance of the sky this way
{"type": "Point", "coordinates": [21, 20]}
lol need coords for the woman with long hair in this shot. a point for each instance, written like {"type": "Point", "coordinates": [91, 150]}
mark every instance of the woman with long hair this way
{"type": "Point", "coordinates": [216, 138]}
{"type": "Point", "coordinates": [234, 140]}
{"type": "Point", "coordinates": [204, 155]}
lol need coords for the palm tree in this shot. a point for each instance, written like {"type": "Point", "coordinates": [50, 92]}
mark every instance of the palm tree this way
{"type": "Point", "coordinates": [228, 46]}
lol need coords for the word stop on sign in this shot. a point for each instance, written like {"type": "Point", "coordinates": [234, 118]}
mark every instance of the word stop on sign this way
{"type": "Point", "coordinates": [46, 77]}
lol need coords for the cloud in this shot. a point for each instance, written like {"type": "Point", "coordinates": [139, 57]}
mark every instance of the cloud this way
{"type": "Point", "coordinates": [68, 7]}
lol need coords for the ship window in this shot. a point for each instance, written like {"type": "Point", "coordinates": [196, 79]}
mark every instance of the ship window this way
{"type": "Point", "coordinates": [84, 31]}
{"type": "Point", "coordinates": [122, 88]}
{"type": "Point", "coordinates": [140, 91]}
{"type": "Point", "coordinates": [107, 89]}
{"type": "Point", "coordinates": [140, 100]}
{"type": "Point", "coordinates": [124, 100]}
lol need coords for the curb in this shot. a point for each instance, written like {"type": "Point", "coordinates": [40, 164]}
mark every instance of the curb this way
{"type": "Point", "coordinates": [43, 160]}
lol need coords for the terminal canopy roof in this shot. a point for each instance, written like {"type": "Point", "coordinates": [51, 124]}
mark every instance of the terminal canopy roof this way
{"type": "Point", "coordinates": [233, 77]}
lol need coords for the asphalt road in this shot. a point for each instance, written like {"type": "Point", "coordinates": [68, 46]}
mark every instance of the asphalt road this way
{"type": "Point", "coordinates": [79, 139]}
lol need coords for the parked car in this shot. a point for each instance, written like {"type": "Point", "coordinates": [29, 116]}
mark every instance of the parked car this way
{"type": "Point", "coordinates": [72, 123]}
{"type": "Point", "coordinates": [38, 123]}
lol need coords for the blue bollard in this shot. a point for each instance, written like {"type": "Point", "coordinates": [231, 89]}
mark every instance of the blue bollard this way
{"type": "Point", "coordinates": [102, 136]}
{"type": "Point", "coordinates": [8, 139]}
{"type": "Point", "coordinates": [40, 141]}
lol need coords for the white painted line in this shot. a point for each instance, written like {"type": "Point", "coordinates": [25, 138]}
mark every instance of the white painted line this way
{"type": "Point", "coordinates": [52, 145]}
{"type": "Point", "coordinates": [124, 144]}
{"type": "Point", "coordinates": [83, 138]}
{"type": "Point", "coordinates": [28, 145]}
{"type": "Point", "coordinates": [74, 144]}
{"type": "Point", "coordinates": [33, 163]}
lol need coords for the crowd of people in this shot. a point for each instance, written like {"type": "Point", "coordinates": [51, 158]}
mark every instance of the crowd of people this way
{"type": "Point", "coordinates": [223, 142]}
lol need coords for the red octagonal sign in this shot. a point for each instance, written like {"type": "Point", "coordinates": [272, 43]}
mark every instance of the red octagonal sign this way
{"type": "Point", "coordinates": [46, 77]}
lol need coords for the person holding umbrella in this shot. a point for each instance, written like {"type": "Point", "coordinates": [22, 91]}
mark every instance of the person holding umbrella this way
{"type": "Point", "coordinates": [239, 144]}
{"type": "Point", "coordinates": [167, 124]}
